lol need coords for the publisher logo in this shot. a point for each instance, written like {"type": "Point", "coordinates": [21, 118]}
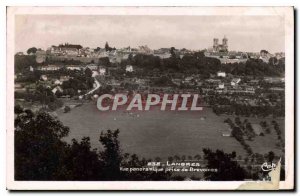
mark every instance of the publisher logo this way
{"type": "Point", "coordinates": [268, 166]}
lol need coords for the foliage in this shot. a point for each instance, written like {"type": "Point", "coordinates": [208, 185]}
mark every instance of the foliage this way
{"type": "Point", "coordinates": [38, 147]}
{"type": "Point", "coordinates": [23, 62]}
{"type": "Point", "coordinates": [256, 67]}
{"type": "Point", "coordinates": [40, 153]}
{"type": "Point", "coordinates": [32, 50]}
{"type": "Point", "coordinates": [227, 168]}
{"type": "Point", "coordinates": [104, 61]}
{"type": "Point", "coordinates": [67, 109]}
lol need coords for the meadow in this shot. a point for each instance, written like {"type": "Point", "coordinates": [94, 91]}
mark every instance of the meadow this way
{"type": "Point", "coordinates": [161, 134]}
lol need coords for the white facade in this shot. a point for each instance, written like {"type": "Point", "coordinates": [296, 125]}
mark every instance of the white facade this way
{"type": "Point", "coordinates": [235, 81]}
{"type": "Point", "coordinates": [95, 73]}
{"type": "Point", "coordinates": [57, 89]}
{"type": "Point", "coordinates": [49, 68]}
{"type": "Point", "coordinates": [44, 77]}
{"type": "Point", "coordinates": [102, 71]}
{"type": "Point", "coordinates": [57, 82]}
{"type": "Point", "coordinates": [74, 68]}
{"type": "Point", "coordinates": [129, 68]}
{"type": "Point", "coordinates": [221, 86]}
{"type": "Point", "coordinates": [221, 74]}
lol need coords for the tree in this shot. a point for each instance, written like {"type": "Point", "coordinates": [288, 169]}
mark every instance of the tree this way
{"type": "Point", "coordinates": [176, 158]}
{"type": "Point", "coordinates": [237, 133]}
{"type": "Point", "coordinates": [97, 49]}
{"type": "Point", "coordinates": [88, 72]}
{"type": "Point", "coordinates": [270, 156]}
{"type": "Point", "coordinates": [39, 150]}
{"type": "Point", "coordinates": [18, 109]}
{"type": "Point", "coordinates": [172, 51]}
{"type": "Point", "coordinates": [40, 153]}
{"type": "Point", "coordinates": [111, 156]}
{"type": "Point", "coordinates": [104, 61]}
{"type": "Point", "coordinates": [23, 63]}
{"type": "Point", "coordinates": [227, 168]}
{"type": "Point", "coordinates": [32, 50]}
{"type": "Point", "coordinates": [197, 157]}
{"type": "Point", "coordinates": [67, 109]}
{"type": "Point", "coordinates": [273, 61]}
{"type": "Point", "coordinates": [81, 163]}
{"type": "Point", "coordinates": [130, 58]}
{"type": "Point", "coordinates": [170, 159]}
{"type": "Point", "coordinates": [237, 121]}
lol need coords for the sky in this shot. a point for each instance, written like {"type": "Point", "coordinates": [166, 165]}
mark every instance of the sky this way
{"type": "Point", "coordinates": [244, 33]}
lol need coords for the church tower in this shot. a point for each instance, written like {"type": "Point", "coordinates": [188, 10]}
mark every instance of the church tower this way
{"type": "Point", "coordinates": [225, 43]}
{"type": "Point", "coordinates": [216, 44]}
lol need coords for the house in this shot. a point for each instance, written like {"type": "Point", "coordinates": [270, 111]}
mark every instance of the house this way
{"type": "Point", "coordinates": [273, 79]}
{"type": "Point", "coordinates": [221, 86]}
{"type": "Point", "coordinates": [49, 67]}
{"type": "Point", "coordinates": [221, 74]}
{"type": "Point", "coordinates": [235, 81]}
{"type": "Point", "coordinates": [74, 67]}
{"type": "Point", "coordinates": [95, 73]}
{"type": "Point", "coordinates": [102, 71]}
{"type": "Point", "coordinates": [92, 67]}
{"type": "Point", "coordinates": [44, 77]}
{"type": "Point", "coordinates": [64, 78]}
{"type": "Point", "coordinates": [277, 89]}
{"type": "Point", "coordinates": [250, 89]}
{"type": "Point", "coordinates": [226, 134]}
{"type": "Point", "coordinates": [129, 68]}
{"type": "Point", "coordinates": [95, 96]}
{"type": "Point", "coordinates": [188, 79]}
{"type": "Point", "coordinates": [66, 49]}
{"type": "Point", "coordinates": [57, 89]}
{"type": "Point", "coordinates": [19, 87]}
{"type": "Point", "coordinates": [57, 82]}
{"type": "Point", "coordinates": [213, 81]}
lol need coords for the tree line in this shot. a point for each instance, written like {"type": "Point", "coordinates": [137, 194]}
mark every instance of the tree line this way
{"type": "Point", "coordinates": [198, 63]}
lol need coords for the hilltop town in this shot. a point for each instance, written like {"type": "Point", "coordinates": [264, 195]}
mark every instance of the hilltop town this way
{"type": "Point", "coordinates": [230, 82]}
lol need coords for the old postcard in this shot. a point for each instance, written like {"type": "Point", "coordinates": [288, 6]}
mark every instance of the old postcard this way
{"type": "Point", "coordinates": [150, 98]}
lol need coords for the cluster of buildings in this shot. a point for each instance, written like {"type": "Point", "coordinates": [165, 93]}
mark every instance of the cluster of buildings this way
{"type": "Point", "coordinates": [222, 52]}
{"type": "Point", "coordinates": [85, 54]}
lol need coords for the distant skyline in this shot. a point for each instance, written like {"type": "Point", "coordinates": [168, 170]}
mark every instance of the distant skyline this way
{"type": "Point", "coordinates": [245, 33]}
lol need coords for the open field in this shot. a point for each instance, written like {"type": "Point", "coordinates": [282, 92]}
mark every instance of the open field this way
{"type": "Point", "coordinates": [158, 133]}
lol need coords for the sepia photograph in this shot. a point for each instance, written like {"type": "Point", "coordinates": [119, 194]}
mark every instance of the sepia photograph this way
{"type": "Point", "coordinates": [150, 98]}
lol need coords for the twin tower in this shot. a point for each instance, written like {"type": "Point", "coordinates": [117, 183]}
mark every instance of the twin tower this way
{"type": "Point", "coordinates": [220, 47]}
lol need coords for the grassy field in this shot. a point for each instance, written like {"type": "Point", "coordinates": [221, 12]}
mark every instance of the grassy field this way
{"type": "Point", "coordinates": [158, 133]}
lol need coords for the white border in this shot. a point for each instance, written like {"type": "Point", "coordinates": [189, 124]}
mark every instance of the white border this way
{"type": "Point", "coordinates": [286, 12]}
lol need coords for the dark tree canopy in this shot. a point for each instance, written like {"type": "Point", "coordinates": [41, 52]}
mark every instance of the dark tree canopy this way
{"type": "Point", "coordinates": [32, 50]}
{"type": "Point", "coordinates": [40, 153]}
{"type": "Point", "coordinates": [227, 168]}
